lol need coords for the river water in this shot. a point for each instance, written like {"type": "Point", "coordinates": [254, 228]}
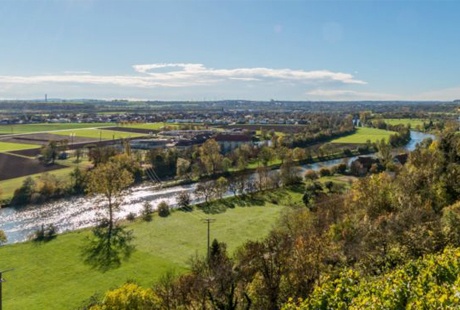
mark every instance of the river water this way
{"type": "Point", "coordinates": [80, 212]}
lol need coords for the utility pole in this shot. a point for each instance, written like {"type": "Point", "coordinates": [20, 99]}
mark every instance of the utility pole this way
{"type": "Point", "coordinates": [1, 281]}
{"type": "Point", "coordinates": [208, 221]}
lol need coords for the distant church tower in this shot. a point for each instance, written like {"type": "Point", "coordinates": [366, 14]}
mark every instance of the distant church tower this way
{"type": "Point", "coordinates": [46, 97]}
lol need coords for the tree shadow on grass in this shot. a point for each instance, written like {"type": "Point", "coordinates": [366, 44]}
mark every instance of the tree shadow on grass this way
{"type": "Point", "coordinates": [107, 247]}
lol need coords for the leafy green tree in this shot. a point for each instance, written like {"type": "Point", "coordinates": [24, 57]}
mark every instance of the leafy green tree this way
{"type": "Point", "coordinates": [110, 243]}
{"type": "Point", "coordinates": [221, 187]}
{"type": "Point", "coordinates": [24, 194]}
{"type": "Point", "coordinates": [266, 154]}
{"type": "Point", "coordinates": [147, 210]}
{"type": "Point", "coordinates": [49, 152]}
{"type": "Point", "coordinates": [183, 167]}
{"type": "Point", "coordinates": [163, 209]}
{"type": "Point", "coordinates": [210, 156]}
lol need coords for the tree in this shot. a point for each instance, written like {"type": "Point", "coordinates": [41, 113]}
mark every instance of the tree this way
{"type": "Point", "coordinates": [384, 152]}
{"type": "Point", "coordinates": [147, 211]}
{"type": "Point", "coordinates": [182, 167]}
{"type": "Point", "coordinates": [78, 154]}
{"type": "Point", "coordinates": [184, 200]}
{"type": "Point", "coordinates": [163, 209]}
{"type": "Point", "coordinates": [221, 187]}
{"type": "Point", "coordinates": [49, 152]}
{"type": "Point", "coordinates": [266, 154]}
{"type": "Point", "coordinates": [24, 194]}
{"type": "Point", "coordinates": [237, 184]}
{"type": "Point", "coordinates": [78, 180]}
{"type": "Point", "coordinates": [205, 190]}
{"type": "Point", "coordinates": [210, 156]}
{"type": "Point", "coordinates": [110, 243]}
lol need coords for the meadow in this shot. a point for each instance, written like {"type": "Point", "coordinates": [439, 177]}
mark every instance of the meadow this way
{"type": "Point", "coordinates": [52, 276]}
{"type": "Point", "coordinates": [101, 134]}
{"type": "Point", "coordinates": [153, 126]}
{"type": "Point", "coordinates": [413, 122]}
{"type": "Point", "coordinates": [46, 127]}
{"type": "Point", "coordinates": [8, 146]}
{"type": "Point", "coordinates": [364, 134]}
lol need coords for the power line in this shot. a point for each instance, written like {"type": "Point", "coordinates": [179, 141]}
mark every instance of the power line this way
{"type": "Point", "coordinates": [208, 221]}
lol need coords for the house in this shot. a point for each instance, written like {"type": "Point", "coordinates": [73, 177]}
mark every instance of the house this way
{"type": "Point", "coordinates": [229, 142]}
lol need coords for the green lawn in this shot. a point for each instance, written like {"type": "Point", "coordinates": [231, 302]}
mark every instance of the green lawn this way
{"type": "Point", "coordinates": [153, 126]}
{"type": "Point", "coordinates": [99, 134]}
{"type": "Point", "coordinates": [363, 134]}
{"type": "Point", "coordinates": [8, 147]}
{"type": "Point", "coordinates": [404, 121]}
{"type": "Point", "coordinates": [52, 276]}
{"type": "Point", "coordinates": [30, 128]}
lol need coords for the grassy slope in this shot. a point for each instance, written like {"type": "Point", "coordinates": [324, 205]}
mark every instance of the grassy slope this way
{"type": "Point", "coordinates": [363, 134]}
{"type": "Point", "coordinates": [51, 276]}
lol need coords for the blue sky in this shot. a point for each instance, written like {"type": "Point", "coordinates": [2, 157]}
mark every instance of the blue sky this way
{"type": "Point", "coordinates": [212, 50]}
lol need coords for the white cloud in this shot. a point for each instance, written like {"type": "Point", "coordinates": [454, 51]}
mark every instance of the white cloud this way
{"type": "Point", "coordinates": [186, 75]}
{"type": "Point", "coordinates": [181, 72]}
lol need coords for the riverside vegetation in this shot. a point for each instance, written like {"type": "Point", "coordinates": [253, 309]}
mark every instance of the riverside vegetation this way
{"type": "Point", "coordinates": [338, 251]}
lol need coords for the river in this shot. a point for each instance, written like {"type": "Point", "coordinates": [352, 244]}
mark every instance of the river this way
{"type": "Point", "coordinates": [80, 212]}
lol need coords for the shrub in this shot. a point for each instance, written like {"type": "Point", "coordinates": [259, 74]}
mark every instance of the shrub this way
{"type": "Point", "coordinates": [324, 172]}
{"type": "Point", "coordinates": [163, 209]}
{"type": "Point", "coordinates": [44, 233]}
{"type": "Point", "coordinates": [147, 210]}
{"type": "Point", "coordinates": [131, 216]}
{"type": "Point", "coordinates": [310, 175]}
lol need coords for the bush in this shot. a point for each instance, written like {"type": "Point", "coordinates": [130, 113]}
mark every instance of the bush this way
{"type": "Point", "coordinates": [341, 168]}
{"type": "Point", "coordinates": [347, 152]}
{"type": "Point", "coordinates": [325, 172]}
{"type": "Point", "coordinates": [163, 209]}
{"type": "Point", "coordinates": [44, 233]}
{"type": "Point", "coordinates": [131, 216]}
{"type": "Point", "coordinates": [147, 211]}
{"type": "Point", "coordinates": [310, 175]}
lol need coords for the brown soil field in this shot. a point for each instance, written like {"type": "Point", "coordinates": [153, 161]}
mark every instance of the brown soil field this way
{"type": "Point", "coordinates": [12, 166]}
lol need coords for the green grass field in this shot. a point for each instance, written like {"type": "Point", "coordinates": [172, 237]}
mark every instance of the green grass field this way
{"type": "Point", "coordinates": [364, 134]}
{"type": "Point", "coordinates": [99, 134]}
{"type": "Point", "coordinates": [8, 147]}
{"type": "Point", "coordinates": [52, 276]}
{"type": "Point", "coordinates": [30, 128]}
{"type": "Point", "coordinates": [153, 126]}
{"type": "Point", "coordinates": [404, 121]}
